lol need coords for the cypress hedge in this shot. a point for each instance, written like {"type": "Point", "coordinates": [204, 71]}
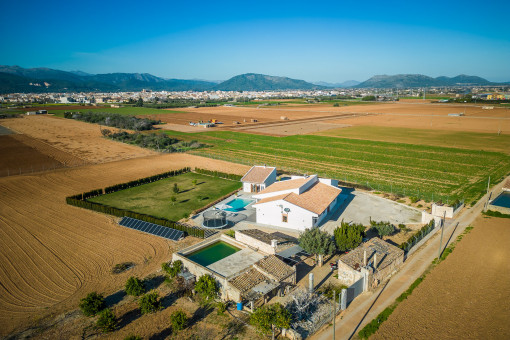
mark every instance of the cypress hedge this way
{"type": "Point", "coordinates": [218, 174]}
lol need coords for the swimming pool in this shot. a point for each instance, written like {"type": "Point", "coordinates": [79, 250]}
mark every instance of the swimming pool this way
{"type": "Point", "coordinates": [212, 253]}
{"type": "Point", "coordinates": [503, 200]}
{"type": "Point", "coordinates": [238, 204]}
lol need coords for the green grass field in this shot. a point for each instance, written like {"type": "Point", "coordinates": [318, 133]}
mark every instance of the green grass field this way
{"type": "Point", "coordinates": [154, 198]}
{"type": "Point", "coordinates": [455, 139]}
{"type": "Point", "coordinates": [134, 111]}
{"type": "Point", "coordinates": [429, 172]}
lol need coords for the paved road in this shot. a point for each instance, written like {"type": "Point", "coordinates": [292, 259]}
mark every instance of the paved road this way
{"type": "Point", "coordinates": [367, 306]}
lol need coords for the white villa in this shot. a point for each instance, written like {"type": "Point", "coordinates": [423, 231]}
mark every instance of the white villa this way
{"type": "Point", "coordinates": [298, 203]}
{"type": "Point", "coordinates": [258, 178]}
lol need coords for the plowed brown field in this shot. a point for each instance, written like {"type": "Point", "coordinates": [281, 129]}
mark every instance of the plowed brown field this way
{"type": "Point", "coordinates": [466, 296]}
{"type": "Point", "coordinates": [80, 139]}
{"type": "Point", "coordinates": [53, 254]}
{"type": "Point", "coordinates": [18, 158]}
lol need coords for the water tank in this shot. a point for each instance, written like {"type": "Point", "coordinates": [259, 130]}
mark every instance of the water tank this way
{"type": "Point", "coordinates": [239, 306]}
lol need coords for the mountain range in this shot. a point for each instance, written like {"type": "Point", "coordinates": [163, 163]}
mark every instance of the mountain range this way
{"type": "Point", "coordinates": [18, 79]}
{"type": "Point", "coordinates": [419, 80]}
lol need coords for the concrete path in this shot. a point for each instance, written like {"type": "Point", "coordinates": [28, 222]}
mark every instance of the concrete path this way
{"type": "Point", "coordinates": [367, 306]}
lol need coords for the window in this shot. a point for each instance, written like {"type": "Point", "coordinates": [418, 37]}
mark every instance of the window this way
{"type": "Point", "coordinates": [314, 220]}
{"type": "Point", "coordinates": [284, 218]}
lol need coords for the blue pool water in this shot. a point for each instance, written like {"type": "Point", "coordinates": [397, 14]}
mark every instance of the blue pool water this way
{"type": "Point", "coordinates": [503, 200]}
{"type": "Point", "coordinates": [238, 204]}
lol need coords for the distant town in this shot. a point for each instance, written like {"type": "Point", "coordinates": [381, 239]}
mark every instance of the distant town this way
{"type": "Point", "coordinates": [494, 93]}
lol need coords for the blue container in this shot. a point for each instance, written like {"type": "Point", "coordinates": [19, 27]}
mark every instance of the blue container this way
{"type": "Point", "coordinates": [239, 306]}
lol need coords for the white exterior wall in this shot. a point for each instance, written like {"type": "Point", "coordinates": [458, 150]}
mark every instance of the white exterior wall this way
{"type": "Point", "coordinates": [325, 213]}
{"type": "Point", "coordinates": [254, 243]}
{"type": "Point", "coordinates": [246, 187]}
{"type": "Point", "coordinates": [329, 181]}
{"type": "Point", "coordinates": [297, 218]}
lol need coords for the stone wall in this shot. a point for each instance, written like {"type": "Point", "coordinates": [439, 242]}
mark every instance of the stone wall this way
{"type": "Point", "coordinates": [346, 274]}
{"type": "Point", "coordinates": [254, 243]}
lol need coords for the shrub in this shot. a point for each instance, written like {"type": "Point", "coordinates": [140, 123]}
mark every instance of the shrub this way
{"type": "Point", "coordinates": [179, 320]}
{"type": "Point", "coordinates": [317, 242]}
{"type": "Point", "coordinates": [150, 303]}
{"type": "Point", "coordinates": [122, 267]}
{"type": "Point", "coordinates": [383, 228]}
{"type": "Point", "coordinates": [267, 316]}
{"type": "Point", "coordinates": [349, 236]}
{"type": "Point", "coordinates": [92, 304]}
{"type": "Point", "coordinates": [134, 286]}
{"type": "Point", "coordinates": [133, 337]}
{"type": "Point", "coordinates": [207, 286]}
{"type": "Point", "coordinates": [231, 233]}
{"type": "Point", "coordinates": [222, 307]}
{"type": "Point", "coordinates": [106, 321]}
{"type": "Point", "coordinates": [414, 199]}
{"type": "Point", "coordinates": [175, 189]}
{"type": "Point", "coordinates": [173, 269]}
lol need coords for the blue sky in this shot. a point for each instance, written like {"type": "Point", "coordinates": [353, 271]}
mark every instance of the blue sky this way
{"type": "Point", "coordinates": [312, 40]}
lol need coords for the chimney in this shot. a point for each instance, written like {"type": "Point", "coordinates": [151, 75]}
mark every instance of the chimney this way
{"type": "Point", "coordinates": [274, 244]}
{"type": "Point", "coordinates": [365, 258]}
{"type": "Point", "coordinates": [375, 260]}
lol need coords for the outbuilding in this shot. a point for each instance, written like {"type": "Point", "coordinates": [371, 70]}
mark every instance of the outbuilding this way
{"type": "Point", "coordinates": [258, 178]}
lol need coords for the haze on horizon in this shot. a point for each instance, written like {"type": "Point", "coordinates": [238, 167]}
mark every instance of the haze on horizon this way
{"type": "Point", "coordinates": [326, 41]}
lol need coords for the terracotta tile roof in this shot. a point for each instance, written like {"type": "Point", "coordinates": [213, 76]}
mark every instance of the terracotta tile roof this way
{"type": "Point", "coordinates": [316, 199]}
{"type": "Point", "coordinates": [247, 280]}
{"type": "Point", "coordinates": [272, 266]}
{"type": "Point", "coordinates": [257, 174]}
{"type": "Point", "coordinates": [386, 254]}
{"type": "Point", "coordinates": [286, 185]}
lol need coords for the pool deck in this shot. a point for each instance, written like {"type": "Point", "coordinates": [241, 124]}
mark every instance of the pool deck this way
{"type": "Point", "coordinates": [235, 263]}
{"type": "Point", "coordinates": [247, 214]}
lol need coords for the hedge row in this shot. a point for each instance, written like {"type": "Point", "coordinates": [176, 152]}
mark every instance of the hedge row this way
{"type": "Point", "coordinates": [105, 209]}
{"type": "Point", "coordinates": [141, 181]}
{"type": "Point", "coordinates": [218, 174]}
{"type": "Point", "coordinates": [411, 241]}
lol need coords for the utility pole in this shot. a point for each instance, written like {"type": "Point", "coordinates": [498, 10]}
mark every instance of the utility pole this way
{"type": "Point", "coordinates": [488, 184]}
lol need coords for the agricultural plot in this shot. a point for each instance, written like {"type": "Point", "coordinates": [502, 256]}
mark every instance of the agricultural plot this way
{"type": "Point", "coordinates": [156, 198]}
{"type": "Point", "coordinates": [133, 111]}
{"type": "Point", "coordinates": [456, 139]}
{"type": "Point", "coordinates": [428, 172]}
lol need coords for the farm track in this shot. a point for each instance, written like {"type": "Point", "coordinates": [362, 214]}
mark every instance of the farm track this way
{"type": "Point", "coordinates": [53, 254]}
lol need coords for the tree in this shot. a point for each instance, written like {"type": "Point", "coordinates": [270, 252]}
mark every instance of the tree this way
{"type": "Point", "coordinates": [194, 182]}
{"type": "Point", "coordinates": [349, 236]}
{"type": "Point", "coordinates": [266, 318]}
{"type": "Point", "coordinates": [134, 286]}
{"type": "Point", "coordinates": [222, 307]}
{"type": "Point", "coordinates": [139, 102]}
{"type": "Point", "coordinates": [173, 199]}
{"type": "Point", "coordinates": [150, 303]}
{"type": "Point", "coordinates": [383, 228]}
{"type": "Point", "coordinates": [106, 321]}
{"type": "Point", "coordinates": [175, 189]}
{"type": "Point", "coordinates": [207, 286]}
{"type": "Point", "coordinates": [92, 304]}
{"type": "Point", "coordinates": [317, 242]}
{"type": "Point", "coordinates": [173, 269]}
{"type": "Point", "coordinates": [179, 320]}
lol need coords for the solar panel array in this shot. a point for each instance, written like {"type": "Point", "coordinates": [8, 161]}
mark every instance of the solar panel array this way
{"type": "Point", "coordinates": [151, 228]}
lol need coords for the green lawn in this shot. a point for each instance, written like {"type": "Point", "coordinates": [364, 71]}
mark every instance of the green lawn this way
{"type": "Point", "coordinates": [134, 111]}
{"type": "Point", "coordinates": [428, 172]}
{"type": "Point", "coordinates": [154, 198]}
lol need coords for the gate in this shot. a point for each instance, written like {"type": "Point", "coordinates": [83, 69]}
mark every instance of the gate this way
{"type": "Point", "coordinates": [355, 289]}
